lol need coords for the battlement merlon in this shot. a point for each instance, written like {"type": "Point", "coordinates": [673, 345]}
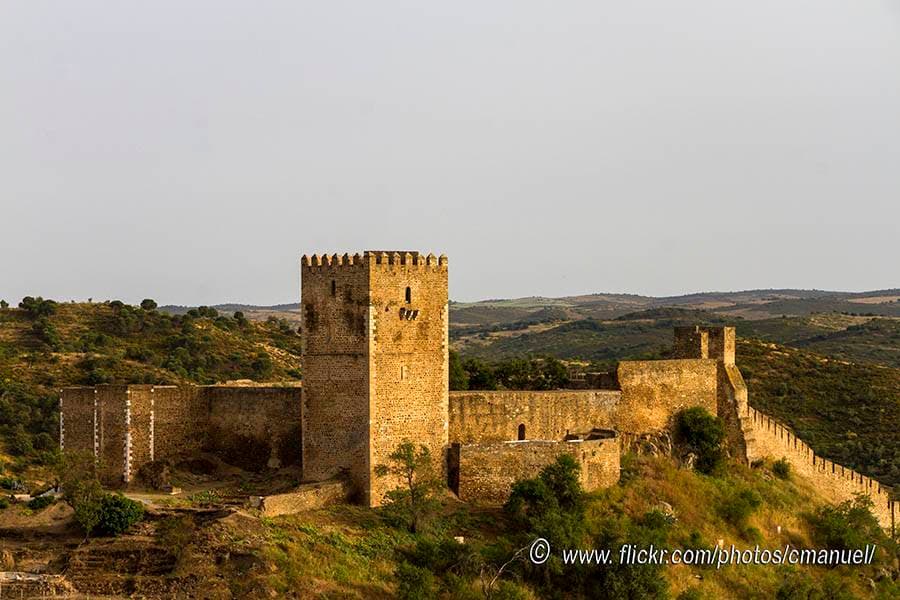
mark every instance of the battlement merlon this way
{"type": "Point", "coordinates": [373, 257]}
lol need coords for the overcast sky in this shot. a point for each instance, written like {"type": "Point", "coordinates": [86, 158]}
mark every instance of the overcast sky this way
{"type": "Point", "coordinates": [192, 151]}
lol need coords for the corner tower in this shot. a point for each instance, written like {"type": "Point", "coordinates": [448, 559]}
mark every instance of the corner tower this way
{"type": "Point", "coordinates": [374, 363]}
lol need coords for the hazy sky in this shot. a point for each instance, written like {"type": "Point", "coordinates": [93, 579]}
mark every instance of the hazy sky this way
{"type": "Point", "coordinates": [192, 151]}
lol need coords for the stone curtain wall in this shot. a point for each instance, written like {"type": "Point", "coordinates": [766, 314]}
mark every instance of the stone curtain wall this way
{"type": "Point", "coordinates": [487, 472]}
{"type": "Point", "coordinates": [756, 435]}
{"type": "Point", "coordinates": [113, 448]}
{"type": "Point", "coordinates": [477, 417]}
{"type": "Point", "coordinates": [254, 427]}
{"type": "Point", "coordinates": [653, 391]}
{"type": "Point", "coordinates": [76, 418]}
{"type": "Point", "coordinates": [179, 421]}
{"type": "Point", "coordinates": [125, 427]}
{"type": "Point", "coordinates": [767, 438]}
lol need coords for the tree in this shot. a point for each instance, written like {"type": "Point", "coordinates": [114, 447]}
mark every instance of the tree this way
{"type": "Point", "coordinates": [415, 500]}
{"type": "Point", "coordinates": [118, 514]}
{"type": "Point", "coordinates": [148, 304]}
{"type": "Point", "coordinates": [37, 307]}
{"type": "Point", "coordinates": [4, 304]}
{"type": "Point", "coordinates": [82, 491]}
{"type": "Point", "coordinates": [459, 379]}
{"type": "Point", "coordinates": [703, 435]}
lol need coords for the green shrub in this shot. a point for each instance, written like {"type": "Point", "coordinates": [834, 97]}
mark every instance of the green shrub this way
{"type": "Point", "coordinates": [4, 503]}
{"type": "Point", "coordinates": [148, 304]}
{"type": "Point", "coordinates": [20, 442]}
{"type": "Point", "coordinates": [738, 507]}
{"type": "Point", "coordinates": [10, 483]}
{"type": "Point", "coordinates": [782, 468]}
{"type": "Point", "coordinates": [847, 526]}
{"type": "Point", "coordinates": [40, 503]}
{"type": "Point", "coordinates": [118, 514]}
{"type": "Point", "coordinates": [702, 434]}
{"type": "Point", "coordinates": [44, 441]}
{"type": "Point", "coordinates": [415, 583]}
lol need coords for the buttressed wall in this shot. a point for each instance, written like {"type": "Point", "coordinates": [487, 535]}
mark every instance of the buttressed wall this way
{"type": "Point", "coordinates": [127, 426]}
{"type": "Point", "coordinates": [374, 363]}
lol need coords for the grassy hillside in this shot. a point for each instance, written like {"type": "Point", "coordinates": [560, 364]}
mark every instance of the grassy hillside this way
{"type": "Point", "coordinates": [47, 346]}
{"type": "Point", "coordinates": [196, 549]}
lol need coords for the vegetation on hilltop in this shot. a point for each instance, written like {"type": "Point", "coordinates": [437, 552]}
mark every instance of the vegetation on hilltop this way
{"type": "Point", "coordinates": [45, 345]}
{"type": "Point", "coordinates": [354, 552]}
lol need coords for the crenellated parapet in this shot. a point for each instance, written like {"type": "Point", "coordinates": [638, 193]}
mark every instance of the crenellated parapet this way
{"type": "Point", "coordinates": [371, 258]}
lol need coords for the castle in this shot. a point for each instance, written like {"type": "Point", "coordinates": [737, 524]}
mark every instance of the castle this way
{"type": "Point", "coordinates": [375, 373]}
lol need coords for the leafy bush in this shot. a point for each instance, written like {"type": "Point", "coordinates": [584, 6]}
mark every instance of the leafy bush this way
{"type": "Point", "coordinates": [847, 526]}
{"type": "Point", "coordinates": [148, 304]}
{"type": "Point", "coordinates": [10, 483]}
{"type": "Point", "coordinates": [40, 503]}
{"type": "Point", "coordinates": [20, 442]}
{"type": "Point", "coordinates": [4, 503]}
{"type": "Point", "coordinates": [118, 514]}
{"type": "Point", "coordinates": [37, 307]}
{"type": "Point", "coordinates": [738, 507]}
{"type": "Point", "coordinates": [415, 583]}
{"type": "Point", "coordinates": [782, 468]}
{"type": "Point", "coordinates": [702, 434]}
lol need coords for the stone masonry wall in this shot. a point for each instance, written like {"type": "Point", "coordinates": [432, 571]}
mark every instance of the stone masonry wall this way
{"type": "Point", "coordinates": [477, 417]}
{"type": "Point", "coordinates": [179, 421]}
{"type": "Point", "coordinates": [758, 436]}
{"type": "Point", "coordinates": [76, 417]}
{"type": "Point", "coordinates": [653, 391]}
{"type": "Point", "coordinates": [125, 427]}
{"type": "Point", "coordinates": [112, 432]}
{"type": "Point", "coordinates": [487, 472]}
{"type": "Point", "coordinates": [767, 438]}
{"type": "Point", "coordinates": [254, 427]}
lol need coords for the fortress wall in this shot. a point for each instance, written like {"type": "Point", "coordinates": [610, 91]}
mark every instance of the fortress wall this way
{"type": "Point", "coordinates": [141, 400]}
{"type": "Point", "coordinates": [76, 416]}
{"type": "Point", "coordinates": [487, 472]}
{"type": "Point", "coordinates": [732, 394]}
{"type": "Point", "coordinates": [478, 417]}
{"type": "Point", "coordinates": [767, 438]}
{"type": "Point", "coordinates": [254, 427]}
{"type": "Point", "coordinates": [112, 432]}
{"type": "Point", "coordinates": [655, 390]}
{"type": "Point", "coordinates": [179, 421]}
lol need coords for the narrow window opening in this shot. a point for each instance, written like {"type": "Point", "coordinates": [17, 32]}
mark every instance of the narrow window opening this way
{"type": "Point", "coordinates": [521, 431]}
{"type": "Point", "coordinates": [408, 295]}
{"type": "Point", "coordinates": [333, 287]}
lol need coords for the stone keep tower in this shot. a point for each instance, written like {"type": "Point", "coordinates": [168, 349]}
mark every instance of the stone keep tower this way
{"type": "Point", "coordinates": [375, 369]}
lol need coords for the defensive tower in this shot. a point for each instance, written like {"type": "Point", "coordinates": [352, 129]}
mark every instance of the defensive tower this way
{"type": "Point", "coordinates": [374, 363]}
